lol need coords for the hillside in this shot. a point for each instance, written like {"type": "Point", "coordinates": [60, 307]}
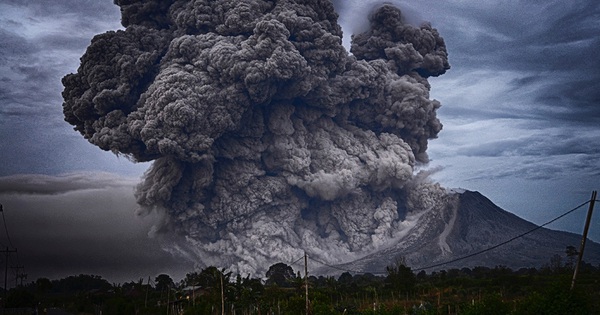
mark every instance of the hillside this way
{"type": "Point", "coordinates": [471, 225]}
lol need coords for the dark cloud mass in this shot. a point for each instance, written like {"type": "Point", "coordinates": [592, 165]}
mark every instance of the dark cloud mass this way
{"type": "Point", "coordinates": [268, 138]}
{"type": "Point", "coordinates": [56, 185]}
{"type": "Point", "coordinates": [75, 224]}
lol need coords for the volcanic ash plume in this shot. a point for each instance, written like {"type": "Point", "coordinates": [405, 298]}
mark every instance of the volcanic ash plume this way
{"type": "Point", "coordinates": [268, 138]}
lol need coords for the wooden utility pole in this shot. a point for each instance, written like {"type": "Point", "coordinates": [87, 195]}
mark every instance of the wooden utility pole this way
{"type": "Point", "coordinates": [17, 273]}
{"type": "Point", "coordinates": [168, 298]}
{"type": "Point", "coordinates": [147, 288]}
{"type": "Point", "coordinates": [306, 281]}
{"type": "Point", "coordinates": [22, 276]}
{"type": "Point", "coordinates": [585, 232]}
{"type": "Point", "coordinates": [222, 296]}
{"type": "Point", "coordinates": [7, 252]}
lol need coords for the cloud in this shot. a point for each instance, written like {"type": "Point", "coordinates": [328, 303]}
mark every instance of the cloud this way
{"type": "Point", "coordinates": [37, 38]}
{"type": "Point", "coordinates": [82, 223]}
{"type": "Point", "coordinates": [43, 43]}
{"type": "Point", "coordinates": [520, 100]}
{"type": "Point", "coordinates": [549, 48]}
{"type": "Point", "coordinates": [261, 126]}
{"type": "Point", "coordinates": [53, 185]}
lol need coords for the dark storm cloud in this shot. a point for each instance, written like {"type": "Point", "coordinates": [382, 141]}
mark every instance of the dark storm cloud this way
{"type": "Point", "coordinates": [525, 35]}
{"type": "Point", "coordinates": [536, 145]}
{"type": "Point", "coordinates": [52, 185]}
{"type": "Point", "coordinates": [573, 99]}
{"type": "Point", "coordinates": [547, 169]}
{"type": "Point", "coordinates": [17, 64]}
{"type": "Point", "coordinates": [94, 10]}
{"type": "Point", "coordinates": [551, 46]}
{"type": "Point", "coordinates": [521, 102]}
{"type": "Point", "coordinates": [13, 44]}
{"type": "Point", "coordinates": [40, 42]}
{"type": "Point", "coordinates": [81, 223]}
{"type": "Point", "coordinates": [35, 38]}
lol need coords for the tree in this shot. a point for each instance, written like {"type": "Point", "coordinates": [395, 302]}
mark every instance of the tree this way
{"type": "Point", "coordinates": [345, 278]}
{"type": "Point", "coordinates": [346, 282]}
{"type": "Point", "coordinates": [572, 254]}
{"type": "Point", "coordinates": [280, 275]}
{"type": "Point", "coordinates": [556, 263]}
{"type": "Point", "coordinates": [400, 277]}
{"type": "Point", "coordinates": [163, 282]}
{"type": "Point", "coordinates": [20, 298]}
{"type": "Point", "coordinates": [213, 296]}
{"type": "Point", "coordinates": [80, 283]}
{"type": "Point", "coordinates": [191, 279]}
{"type": "Point", "coordinates": [246, 293]}
{"type": "Point", "coordinates": [210, 277]}
{"type": "Point", "coordinates": [43, 285]}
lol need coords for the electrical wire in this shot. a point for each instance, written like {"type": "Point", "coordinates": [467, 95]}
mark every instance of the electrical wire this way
{"type": "Point", "coordinates": [6, 228]}
{"type": "Point", "coordinates": [297, 260]}
{"type": "Point", "coordinates": [9, 259]}
{"type": "Point", "coordinates": [463, 257]}
{"type": "Point", "coordinates": [503, 243]}
{"type": "Point", "coordinates": [339, 268]}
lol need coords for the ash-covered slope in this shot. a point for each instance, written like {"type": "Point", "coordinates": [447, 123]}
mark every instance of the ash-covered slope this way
{"type": "Point", "coordinates": [473, 223]}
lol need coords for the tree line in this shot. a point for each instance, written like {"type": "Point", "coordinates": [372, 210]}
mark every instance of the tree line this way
{"type": "Point", "coordinates": [478, 290]}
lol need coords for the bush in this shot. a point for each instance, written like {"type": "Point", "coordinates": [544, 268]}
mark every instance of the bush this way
{"type": "Point", "coordinates": [557, 300]}
{"type": "Point", "coordinates": [490, 305]}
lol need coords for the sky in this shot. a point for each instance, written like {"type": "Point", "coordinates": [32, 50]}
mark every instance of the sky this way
{"type": "Point", "coordinates": [520, 109]}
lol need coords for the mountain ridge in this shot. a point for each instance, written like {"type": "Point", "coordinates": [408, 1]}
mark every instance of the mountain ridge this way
{"type": "Point", "coordinates": [470, 225]}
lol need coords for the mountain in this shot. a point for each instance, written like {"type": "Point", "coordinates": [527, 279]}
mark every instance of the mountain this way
{"type": "Point", "coordinates": [469, 225]}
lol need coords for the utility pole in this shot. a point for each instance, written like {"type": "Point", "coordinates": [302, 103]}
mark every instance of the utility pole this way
{"type": "Point", "coordinates": [222, 295]}
{"type": "Point", "coordinates": [306, 281]}
{"type": "Point", "coordinates": [7, 252]}
{"type": "Point", "coordinates": [147, 288]}
{"type": "Point", "coordinates": [168, 298]}
{"type": "Point", "coordinates": [585, 232]}
{"type": "Point", "coordinates": [22, 276]}
{"type": "Point", "coordinates": [17, 273]}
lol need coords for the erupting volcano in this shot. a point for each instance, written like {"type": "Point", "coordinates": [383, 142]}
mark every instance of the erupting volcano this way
{"type": "Point", "coordinates": [268, 138]}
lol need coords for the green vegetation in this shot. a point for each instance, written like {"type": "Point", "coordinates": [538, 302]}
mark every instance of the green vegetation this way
{"type": "Point", "coordinates": [479, 290]}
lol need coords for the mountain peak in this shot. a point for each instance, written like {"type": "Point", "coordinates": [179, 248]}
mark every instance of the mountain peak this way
{"type": "Point", "coordinates": [474, 225]}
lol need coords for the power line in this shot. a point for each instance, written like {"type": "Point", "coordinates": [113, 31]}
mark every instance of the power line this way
{"type": "Point", "coordinates": [297, 260]}
{"type": "Point", "coordinates": [340, 268]}
{"type": "Point", "coordinates": [8, 251]}
{"type": "Point", "coordinates": [503, 243]}
{"type": "Point", "coordinates": [5, 227]}
{"type": "Point", "coordinates": [7, 234]}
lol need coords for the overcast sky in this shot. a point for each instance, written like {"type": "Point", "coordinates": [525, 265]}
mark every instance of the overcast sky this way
{"type": "Point", "coordinates": [520, 108]}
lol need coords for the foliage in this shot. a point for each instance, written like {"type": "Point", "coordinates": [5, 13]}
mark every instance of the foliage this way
{"type": "Point", "coordinates": [400, 278]}
{"type": "Point", "coordinates": [491, 305]}
{"type": "Point", "coordinates": [21, 298]}
{"type": "Point", "coordinates": [480, 290]}
{"type": "Point", "coordinates": [164, 282]}
{"type": "Point", "coordinates": [280, 275]}
{"type": "Point", "coordinates": [557, 300]}
{"type": "Point", "coordinates": [79, 283]}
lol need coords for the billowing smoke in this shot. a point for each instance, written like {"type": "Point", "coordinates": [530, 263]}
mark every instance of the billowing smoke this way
{"type": "Point", "coordinates": [268, 138]}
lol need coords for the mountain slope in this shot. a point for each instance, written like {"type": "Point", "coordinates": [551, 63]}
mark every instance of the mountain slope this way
{"type": "Point", "coordinates": [473, 223]}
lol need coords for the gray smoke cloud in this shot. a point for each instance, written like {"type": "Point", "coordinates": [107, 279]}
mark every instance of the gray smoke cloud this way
{"type": "Point", "coordinates": [268, 138]}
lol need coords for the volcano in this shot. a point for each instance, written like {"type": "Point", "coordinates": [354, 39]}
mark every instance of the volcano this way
{"type": "Point", "coordinates": [471, 225]}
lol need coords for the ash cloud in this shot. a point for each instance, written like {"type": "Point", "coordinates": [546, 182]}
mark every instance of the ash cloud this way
{"type": "Point", "coordinates": [268, 138]}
